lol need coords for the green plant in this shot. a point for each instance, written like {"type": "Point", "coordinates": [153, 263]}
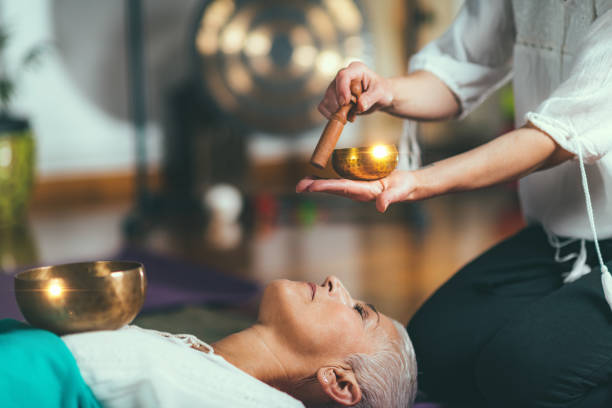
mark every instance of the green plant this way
{"type": "Point", "coordinates": [8, 80]}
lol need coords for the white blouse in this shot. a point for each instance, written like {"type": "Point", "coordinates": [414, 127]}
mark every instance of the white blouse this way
{"type": "Point", "coordinates": [134, 367]}
{"type": "Point", "coordinates": [559, 54]}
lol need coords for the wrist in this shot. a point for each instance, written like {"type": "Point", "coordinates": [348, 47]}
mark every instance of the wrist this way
{"type": "Point", "coordinates": [388, 98]}
{"type": "Point", "coordinates": [427, 183]}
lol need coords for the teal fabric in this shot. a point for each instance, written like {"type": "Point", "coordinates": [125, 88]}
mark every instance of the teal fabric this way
{"type": "Point", "coordinates": [38, 370]}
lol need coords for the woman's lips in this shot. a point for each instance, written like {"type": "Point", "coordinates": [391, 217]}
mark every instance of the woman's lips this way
{"type": "Point", "coordinates": [313, 288]}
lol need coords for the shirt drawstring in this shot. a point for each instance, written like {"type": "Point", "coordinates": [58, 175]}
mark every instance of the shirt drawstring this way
{"type": "Point", "coordinates": [606, 278]}
{"type": "Point", "coordinates": [409, 149]}
{"type": "Point", "coordinates": [580, 267]}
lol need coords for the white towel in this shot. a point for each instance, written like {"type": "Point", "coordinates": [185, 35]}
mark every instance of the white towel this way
{"type": "Point", "coordinates": [135, 367]}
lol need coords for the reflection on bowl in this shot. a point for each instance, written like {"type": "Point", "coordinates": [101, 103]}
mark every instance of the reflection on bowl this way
{"type": "Point", "coordinates": [365, 163]}
{"type": "Point", "coordinates": [78, 297]}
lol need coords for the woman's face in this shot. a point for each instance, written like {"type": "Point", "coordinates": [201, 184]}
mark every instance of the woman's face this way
{"type": "Point", "coordinates": [323, 321]}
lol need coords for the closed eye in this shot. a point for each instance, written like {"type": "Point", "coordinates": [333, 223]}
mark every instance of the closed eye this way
{"type": "Point", "coordinates": [361, 310]}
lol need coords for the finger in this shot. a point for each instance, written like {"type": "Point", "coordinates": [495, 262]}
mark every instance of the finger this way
{"type": "Point", "coordinates": [331, 97]}
{"type": "Point", "coordinates": [358, 190]}
{"type": "Point", "coordinates": [343, 85]}
{"type": "Point", "coordinates": [303, 184]}
{"type": "Point", "coordinates": [329, 103]}
{"type": "Point", "coordinates": [387, 198]}
{"type": "Point", "coordinates": [375, 95]}
{"type": "Point", "coordinates": [365, 101]}
{"type": "Point", "coordinates": [352, 114]}
{"type": "Point", "coordinates": [323, 109]}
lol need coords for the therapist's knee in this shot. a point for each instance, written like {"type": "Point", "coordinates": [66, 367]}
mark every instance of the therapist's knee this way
{"type": "Point", "coordinates": [513, 371]}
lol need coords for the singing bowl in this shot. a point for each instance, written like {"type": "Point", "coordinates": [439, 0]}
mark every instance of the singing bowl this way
{"type": "Point", "coordinates": [79, 297]}
{"type": "Point", "coordinates": [365, 163]}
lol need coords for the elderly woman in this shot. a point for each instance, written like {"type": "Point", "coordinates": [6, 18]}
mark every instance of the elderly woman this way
{"type": "Point", "coordinates": [311, 343]}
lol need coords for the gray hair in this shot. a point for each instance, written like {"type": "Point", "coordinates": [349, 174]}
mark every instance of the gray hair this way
{"type": "Point", "coordinates": [388, 377]}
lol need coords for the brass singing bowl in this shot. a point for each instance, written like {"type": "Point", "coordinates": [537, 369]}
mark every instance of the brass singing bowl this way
{"type": "Point", "coordinates": [365, 163]}
{"type": "Point", "coordinates": [79, 297]}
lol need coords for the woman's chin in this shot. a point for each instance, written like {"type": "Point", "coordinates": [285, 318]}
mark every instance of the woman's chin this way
{"type": "Point", "coordinates": [278, 299]}
{"type": "Point", "coordinates": [284, 307]}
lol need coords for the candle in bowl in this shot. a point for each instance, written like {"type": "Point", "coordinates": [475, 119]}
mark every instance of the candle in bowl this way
{"type": "Point", "coordinates": [365, 163]}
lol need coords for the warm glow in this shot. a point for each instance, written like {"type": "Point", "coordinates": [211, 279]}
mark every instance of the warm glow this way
{"type": "Point", "coordinates": [218, 13]}
{"type": "Point", "coordinates": [304, 56]}
{"type": "Point", "coordinates": [300, 36]}
{"type": "Point", "coordinates": [54, 290]}
{"type": "Point", "coordinates": [207, 42]}
{"type": "Point", "coordinates": [379, 151]}
{"type": "Point", "coordinates": [216, 17]}
{"type": "Point", "coordinates": [232, 38]}
{"type": "Point", "coordinates": [346, 15]}
{"type": "Point", "coordinates": [258, 43]}
{"type": "Point", "coordinates": [354, 45]}
{"type": "Point", "coordinates": [321, 24]}
{"type": "Point", "coordinates": [238, 78]}
{"type": "Point", "coordinates": [328, 62]}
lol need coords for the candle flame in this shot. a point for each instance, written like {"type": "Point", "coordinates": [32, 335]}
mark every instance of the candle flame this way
{"type": "Point", "coordinates": [379, 151]}
{"type": "Point", "coordinates": [54, 290]}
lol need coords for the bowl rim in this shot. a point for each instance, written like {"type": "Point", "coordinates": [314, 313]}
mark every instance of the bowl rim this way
{"type": "Point", "coordinates": [26, 274]}
{"type": "Point", "coordinates": [361, 149]}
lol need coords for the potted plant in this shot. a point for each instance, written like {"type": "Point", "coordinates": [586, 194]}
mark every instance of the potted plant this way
{"type": "Point", "coordinates": [16, 140]}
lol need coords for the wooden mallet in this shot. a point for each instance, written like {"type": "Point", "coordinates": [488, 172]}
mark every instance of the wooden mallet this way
{"type": "Point", "coordinates": [334, 127]}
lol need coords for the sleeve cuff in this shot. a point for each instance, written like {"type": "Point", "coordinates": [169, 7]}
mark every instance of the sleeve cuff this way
{"type": "Point", "coordinates": [564, 136]}
{"type": "Point", "coordinates": [470, 83]}
{"type": "Point", "coordinates": [418, 63]}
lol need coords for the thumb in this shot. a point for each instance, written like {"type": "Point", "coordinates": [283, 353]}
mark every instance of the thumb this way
{"type": "Point", "coordinates": [374, 95]}
{"type": "Point", "coordinates": [364, 102]}
{"type": "Point", "coordinates": [386, 198]}
{"type": "Point", "coordinates": [303, 184]}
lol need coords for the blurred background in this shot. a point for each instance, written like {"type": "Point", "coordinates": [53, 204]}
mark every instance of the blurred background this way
{"type": "Point", "coordinates": [174, 132]}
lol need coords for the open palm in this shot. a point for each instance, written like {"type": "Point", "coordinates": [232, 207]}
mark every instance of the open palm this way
{"type": "Point", "coordinates": [398, 186]}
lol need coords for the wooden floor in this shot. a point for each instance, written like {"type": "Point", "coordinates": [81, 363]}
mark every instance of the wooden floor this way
{"type": "Point", "coordinates": [394, 260]}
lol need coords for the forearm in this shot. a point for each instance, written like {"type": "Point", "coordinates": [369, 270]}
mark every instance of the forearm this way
{"type": "Point", "coordinates": [508, 157]}
{"type": "Point", "coordinates": [421, 96]}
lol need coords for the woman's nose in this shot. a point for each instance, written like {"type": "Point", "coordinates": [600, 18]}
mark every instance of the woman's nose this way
{"type": "Point", "coordinates": [335, 288]}
{"type": "Point", "coordinates": [332, 284]}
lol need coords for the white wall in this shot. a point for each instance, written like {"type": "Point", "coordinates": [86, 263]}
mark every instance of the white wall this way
{"type": "Point", "coordinates": [73, 135]}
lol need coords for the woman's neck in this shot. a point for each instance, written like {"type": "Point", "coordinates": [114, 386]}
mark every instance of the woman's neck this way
{"type": "Point", "coordinates": [255, 352]}
{"type": "Point", "coordinates": [258, 352]}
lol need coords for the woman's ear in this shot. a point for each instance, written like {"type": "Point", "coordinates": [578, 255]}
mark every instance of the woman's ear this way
{"type": "Point", "coordinates": [340, 385]}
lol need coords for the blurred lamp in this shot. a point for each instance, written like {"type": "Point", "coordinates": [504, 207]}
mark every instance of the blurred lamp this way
{"type": "Point", "coordinates": [267, 63]}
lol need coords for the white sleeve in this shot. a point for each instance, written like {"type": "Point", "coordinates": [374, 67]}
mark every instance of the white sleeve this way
{"type": "Point", "coordinates": [579, 111]}
{"type": "Point", "coordinates": [474, 56]}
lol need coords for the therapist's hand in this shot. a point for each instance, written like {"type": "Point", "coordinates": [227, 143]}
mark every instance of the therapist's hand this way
{"type": "Point", "coordinates": [398, 186]}
{"type": "Point", "coordinates": [377, 91]}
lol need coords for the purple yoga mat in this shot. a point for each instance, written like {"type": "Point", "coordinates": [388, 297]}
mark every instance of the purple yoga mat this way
{"type": "Point", "coordinates": [8, 305]}
{"type": "Point", "coordinates": [171, 283]}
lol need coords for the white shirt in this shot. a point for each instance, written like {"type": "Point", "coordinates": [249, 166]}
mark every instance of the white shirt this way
{"type": "Point", "coordinates": [559, 54]}
{"type": "Point", "coordinates": [134, 367]}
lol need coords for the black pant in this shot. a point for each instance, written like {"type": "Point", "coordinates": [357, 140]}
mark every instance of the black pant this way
{"type": "Point", "coordinates": [506, 332]}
